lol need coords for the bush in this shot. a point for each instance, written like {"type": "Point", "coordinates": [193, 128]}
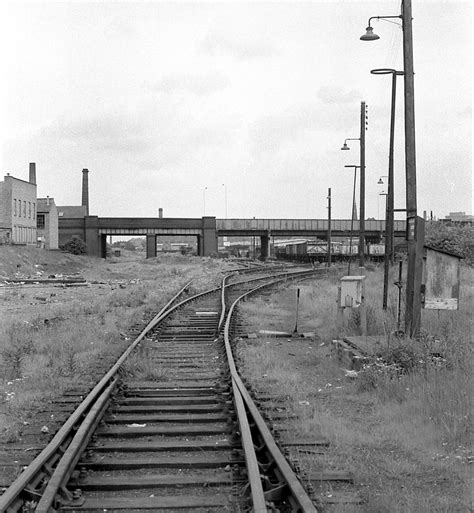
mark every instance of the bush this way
{"type": "Point", "coordinates": [454, 239]}
{"type": "Point", "coordinates": [75, 246]}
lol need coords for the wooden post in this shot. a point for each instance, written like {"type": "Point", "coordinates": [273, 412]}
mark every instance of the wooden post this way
{"type": "Point", "coordinates": [413, 285]}
{"type": "Point", "coordinates": [329, 227]}
{"type": "Point", "coordinates": [362, 186]}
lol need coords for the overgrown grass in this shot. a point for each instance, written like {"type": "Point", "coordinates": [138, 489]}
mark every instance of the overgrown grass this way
{"type": "Point", "coordinates": [404, 423]}
{"type": "Point", "coordinates": [42, 356]}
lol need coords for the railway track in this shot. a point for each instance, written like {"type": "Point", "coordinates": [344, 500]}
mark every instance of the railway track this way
{"type": "Point", "coordinates": [170, 427]}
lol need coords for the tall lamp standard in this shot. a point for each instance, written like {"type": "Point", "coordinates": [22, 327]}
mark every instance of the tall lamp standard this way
{"type": "Point", "coordinates": [391, 191]}
{"type": "Point", "coordinates": [352, 217]}
{"type": "Point", "coordinates": [361, 139]}
{"type": "Point", "coordinates": [415, 228]}
{"type": "Point", "coordinates": [386, 258]}
{"type": "Point", "coordinates": [204, 199]}
{"type": "Point", "coordinates": [225, 198]}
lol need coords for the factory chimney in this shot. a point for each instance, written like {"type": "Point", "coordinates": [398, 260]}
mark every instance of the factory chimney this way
{"type": "Point", "coordinates": [160, 213]}
{"type": "Point", "coordinates": [85, 190]}
{"type": "Point", "coordinates": [32, 173]}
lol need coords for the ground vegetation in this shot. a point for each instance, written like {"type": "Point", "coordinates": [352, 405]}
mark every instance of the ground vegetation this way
{"type": "Point", "coordinates": [402, 422]}
{"type": "Point", "coordinates": [55, 337]}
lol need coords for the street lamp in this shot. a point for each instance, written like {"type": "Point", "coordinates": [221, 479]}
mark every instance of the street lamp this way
{"type": "Point", "coordinates": [204, 200]}
{"type": "Point", "coordinates": [225, 198]}
{"type": "Point", "coordinates": [352, 217]}
{"type": "Point", "coordinates": [361, 139]}
{"type": "Point", "coordinates": [388, 246]}
{"type": "Point", "coordinates": [391, 192]}
{"type": "Point", "coordinates": [415, 227]}
{"type": "Point", "coordinates": [344, 146]}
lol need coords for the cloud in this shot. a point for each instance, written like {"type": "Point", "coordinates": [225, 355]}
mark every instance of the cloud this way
{"type": "Point", "coordinates": [331, 94]}
{"type": "Point", "coordinates": [216, 43]}
{"type": "Point", "coordinates": [104, 132]}
{"type": "Point", "coordinates": [295, 124]}
{"type": "Point", "coordinates": [199, 85]}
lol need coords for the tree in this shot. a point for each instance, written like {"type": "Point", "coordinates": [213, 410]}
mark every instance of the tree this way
{"type": "Point", "coordinates": [76, 246]}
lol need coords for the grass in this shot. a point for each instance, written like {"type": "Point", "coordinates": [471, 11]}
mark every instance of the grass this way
{"type": "Point", "coordinates": [43, 354]}
{"type": "Point", "coordinates": [407, 437]}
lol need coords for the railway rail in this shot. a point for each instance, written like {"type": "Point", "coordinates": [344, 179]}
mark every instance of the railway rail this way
{"type": "Point", "coordinates": [192, 440]}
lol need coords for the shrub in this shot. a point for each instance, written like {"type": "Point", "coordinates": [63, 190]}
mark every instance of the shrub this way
{"type": "Point", "coordinates": [75, 246]}
{"type": "Point", "coordinates": [455, 239]}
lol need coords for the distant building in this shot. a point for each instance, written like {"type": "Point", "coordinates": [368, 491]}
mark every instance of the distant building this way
{"type": "Point", "coordinates": [69, 228]}
{"type": "Point", "coordinates": [459, 217]}
{"type": "Point", "coordinates": [18, 209]}
{"type": "Point", "coordinates": [47, 223]}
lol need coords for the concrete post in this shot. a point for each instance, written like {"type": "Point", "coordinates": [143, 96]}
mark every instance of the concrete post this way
{"type": "Point", "coordinates": [151, 246]}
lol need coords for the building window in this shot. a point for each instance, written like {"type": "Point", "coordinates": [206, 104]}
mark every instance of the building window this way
{"type": "Point", "coordinates": [29, 209]}
{"type": "Point", "coordinates": [34, 210]}
{"type": "Point", "coordinates": [40, 221]}
{"type": "Point", "coordinates": [24, 208]}
{"type": "Point", "coordinates": [14, 207]}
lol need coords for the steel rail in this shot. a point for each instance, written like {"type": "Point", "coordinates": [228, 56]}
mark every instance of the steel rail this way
{"type": "Point", "coordinates": [66, 465]}
{"type": "Point", "coordinates": [298, 492]}
{"type": "Point", "coordinates": [41, 463]}
{"type": "Point", "coordinates": [225, 284]}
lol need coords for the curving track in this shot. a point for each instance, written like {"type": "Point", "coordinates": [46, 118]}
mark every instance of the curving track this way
{"type": "Point", "coordinates": [186, 438]}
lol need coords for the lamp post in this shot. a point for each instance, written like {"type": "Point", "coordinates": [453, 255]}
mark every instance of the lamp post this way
{"type": "Point", "coordinates": [225, 199]}
{"type": "Point", "coordinates": [391, 192]}
{"type": "Point", "coordinates": [352, 217]}
{"type": "Point", "coordinates": [329, 236]}
{"type": "Point", "coordinates": [361, 139]}
{"type": "Point", "coordinates": [204, 200]}
{"type": "Point", "coordinates": [386, 258]}
{"type": "Point", "coordinates": [415, 228]}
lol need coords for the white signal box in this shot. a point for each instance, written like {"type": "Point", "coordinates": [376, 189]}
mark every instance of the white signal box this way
{"type": "Point", "coordinates": [351, 291]}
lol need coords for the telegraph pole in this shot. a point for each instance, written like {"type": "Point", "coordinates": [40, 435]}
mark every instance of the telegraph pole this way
{"type": "Point", "coordinates": [362, 185]}
{"type": "Point", "coordinates": [329, 227]}
{"type": "Point", "coordinates": [415, 228]}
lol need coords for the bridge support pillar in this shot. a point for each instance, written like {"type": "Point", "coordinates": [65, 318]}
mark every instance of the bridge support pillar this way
{"type": "Point", "coordinates": [207, 242]}
{"type": "Point", "coordinates": [103, 246]}
{"type": "Point", "coordinates": [151, 246]}
{"type": "Point", "coordinates": [264, 246]}
{"type": "Point", "coordinates": [92, 237]}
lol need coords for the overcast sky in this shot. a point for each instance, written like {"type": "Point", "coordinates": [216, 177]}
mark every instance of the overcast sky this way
{"type": "Point", "coordinates": [182, 105]}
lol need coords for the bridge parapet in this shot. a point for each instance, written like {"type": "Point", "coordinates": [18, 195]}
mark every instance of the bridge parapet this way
{"type": "Point", "coordinates": [298, 226]}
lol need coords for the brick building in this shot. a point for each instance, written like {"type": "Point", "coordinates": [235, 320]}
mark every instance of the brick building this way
{"type": "Point", "coordinates": [18, 209]}
{"type": "Point", "coordinates": [47, 223]}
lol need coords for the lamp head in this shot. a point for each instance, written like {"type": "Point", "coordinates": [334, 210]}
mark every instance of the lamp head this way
{"type": "Point", "coordinates": [380, 182]}
{"type": "Point", "coordinates": [369, 35]}
{"type": "Point", "coordinates": [345, 147]}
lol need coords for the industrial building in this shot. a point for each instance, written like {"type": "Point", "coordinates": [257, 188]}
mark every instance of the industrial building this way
{"type": "Point", "coordinates": [47, 223]}
{"type": "Point", "coordinates": [18, 208]}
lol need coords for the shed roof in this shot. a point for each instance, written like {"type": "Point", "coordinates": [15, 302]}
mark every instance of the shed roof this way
{"type": "Point", "coordinates": [443, 250]}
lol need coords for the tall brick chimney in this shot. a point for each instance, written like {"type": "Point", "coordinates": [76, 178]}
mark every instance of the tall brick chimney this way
{"type": "Point", "coordinates": [32, 173]}
{"type": "Point", "coordinates": [160, 213]}
{"type": "Point", "coordinates": [85, 190]}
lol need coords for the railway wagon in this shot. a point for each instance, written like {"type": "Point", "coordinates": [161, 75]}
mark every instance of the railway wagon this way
{"type": "Point", "coordinates": [316, 251]}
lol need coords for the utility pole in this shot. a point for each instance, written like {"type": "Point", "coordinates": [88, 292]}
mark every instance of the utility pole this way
{"type": "Point", "coordinates": [329, 227]}
{"type": "Point", "coordinates": [415, 228]}
{"type": "Point", "coordinates": [362, 185]}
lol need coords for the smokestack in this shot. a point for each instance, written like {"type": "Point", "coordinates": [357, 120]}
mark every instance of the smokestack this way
{"type": "Point", "coordinates": [160, 213]}
{"type": "Point", "coordinates": [47, 200]}
{"type": "Point", "coordinates": [85, 190]}
{"type": "Point", "coordinates": [32, 173]}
